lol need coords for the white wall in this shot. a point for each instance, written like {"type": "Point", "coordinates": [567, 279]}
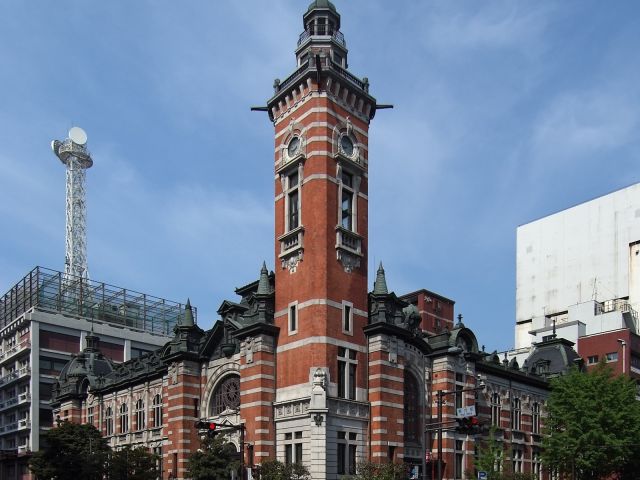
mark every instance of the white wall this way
{"type": "Point", "coordinates": [576, 255]}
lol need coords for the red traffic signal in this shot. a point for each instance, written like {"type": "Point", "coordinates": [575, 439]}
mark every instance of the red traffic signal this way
{"type": "Point", "coordinates": [468, 425]}
{"type": "Point", "coordinates": [210, 427]}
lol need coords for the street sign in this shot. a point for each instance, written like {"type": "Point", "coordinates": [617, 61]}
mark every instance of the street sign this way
{"type": "Point", "coordinates": [482, 476]}
{"type": "Point", "coordinates": [469, 411]}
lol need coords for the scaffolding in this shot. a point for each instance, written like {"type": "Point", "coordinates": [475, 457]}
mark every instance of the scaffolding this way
{"type": "Point", "coordinates": [56, 292]}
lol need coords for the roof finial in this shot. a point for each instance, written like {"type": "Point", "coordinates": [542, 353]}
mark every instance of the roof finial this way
{"type": "Point", "coordinates": [380, 285]}
{"type": "Point", "coordinates": [263, 283]}
{"type": "Point", "coordinates": [187, 321]}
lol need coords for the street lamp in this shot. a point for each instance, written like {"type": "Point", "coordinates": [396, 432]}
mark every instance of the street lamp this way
{"type": "Point", "coordinates": [440, 399]}
{"type": "Point", "coordinates": [624, 356]}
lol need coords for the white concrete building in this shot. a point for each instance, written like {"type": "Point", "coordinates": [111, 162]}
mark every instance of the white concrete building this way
{"type": "Point", "coordinates": [578, 269]}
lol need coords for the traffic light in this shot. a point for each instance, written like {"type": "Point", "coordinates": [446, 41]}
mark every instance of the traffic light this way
{"type": "Point", "coordinates": [468, 425]}
{"type": "Point", "coordinates": [208, 427]}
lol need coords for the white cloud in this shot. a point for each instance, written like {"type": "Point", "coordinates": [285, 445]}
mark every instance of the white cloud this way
{"type": "Point", "coordinates": [585, 122]}
{"type": "Point", "coordinates": [506, 24]}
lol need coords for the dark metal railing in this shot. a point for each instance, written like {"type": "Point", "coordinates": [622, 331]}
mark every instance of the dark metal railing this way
{"type": "Point", "coordinates": [55, 292]}
{"type": "Point", "coordinates": [322, 30]}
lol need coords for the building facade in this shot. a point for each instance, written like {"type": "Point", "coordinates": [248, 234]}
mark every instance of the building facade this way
{"type": "Point", "coordinates": [578, 276]}
{"type": "Point", "coordinates": [44, 320]}
{"type": "Point", "coordinates": [307, 365]}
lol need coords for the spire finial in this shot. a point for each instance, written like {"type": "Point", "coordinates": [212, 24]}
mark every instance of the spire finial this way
{"type": "Point", "coordinates": [380, 285]}
{"type": "Point", "coordinates": [187, 321]}
{"type": "Point", "coordinates": [263, 283]}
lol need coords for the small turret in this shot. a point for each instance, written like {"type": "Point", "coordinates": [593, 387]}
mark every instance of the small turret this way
{"type": "Point", "coordinates": [322, 33]}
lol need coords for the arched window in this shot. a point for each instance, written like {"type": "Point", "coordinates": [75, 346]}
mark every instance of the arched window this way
{"type": "Point", "coordinates": [412, 403]}
{"type": "Point", "coordinates": [108, 421]}
{"type": "Point", "coordinates": [124, 418]}
{"type": "Point", "coordinates": [157, 411]}
{"type": "Point", "coordinates": [226, 395]}
{"type": "Point", "coordinates": [140, 416]}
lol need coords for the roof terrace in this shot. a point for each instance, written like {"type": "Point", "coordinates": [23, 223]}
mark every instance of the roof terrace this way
{"type": "Point", "coordinates": [53, 291]}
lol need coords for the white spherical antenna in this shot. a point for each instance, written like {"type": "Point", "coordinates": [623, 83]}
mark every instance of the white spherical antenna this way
{"type": "Point", "coordinates": [78, 135]}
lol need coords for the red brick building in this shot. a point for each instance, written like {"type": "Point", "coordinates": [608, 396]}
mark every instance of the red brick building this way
{"type": "Point", "coordinates": [308, 364]}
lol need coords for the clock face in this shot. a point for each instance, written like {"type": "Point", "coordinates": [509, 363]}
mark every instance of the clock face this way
{"type": "Point", "coordinates": [346, 145]}
{"type": "Point", "coordinates": [294, 146]}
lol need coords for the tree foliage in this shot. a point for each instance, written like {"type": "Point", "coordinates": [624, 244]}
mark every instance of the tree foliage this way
{"type": "Point", "coordinates": [593, 426]}
{"type": "Point", "coordinates": [132, 464]}
{"type": "Point", "coordinates": [380, 471]}
{"type": "Point", "coordinates": [69, 452]}
{"type": "Point", "coordinates": [275, 470]}
{"type": "Point", "coordinates": [214, 460]}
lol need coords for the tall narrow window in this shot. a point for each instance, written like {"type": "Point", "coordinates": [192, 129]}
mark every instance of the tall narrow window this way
{"type": "Point", "coordinates": [459, 460]}
{"type": "Point", "coordinates": [496, 410]}
{"type": "Point", "coordinates": [108, 421]}
{"type": "Point", "coordinates": [459, 388]}
{"type": "Point", "coordinates": [535, 418]}
{"type": "Point", "coordinates": [412, 408]}
{"type": "Point", "coordinates": [90, 415]}
{"type": "Point", "coordinates": [517, 456]}
{"type": "Point", "coordinates": [347, 317]}
{"type": "Point", "coordinates": [293, 201]}
{"type": "Point", "coordinates": [297, 446]}
{"type": "Point", "coordinates": [347, 366]}
{"type": "Point", "coordinates": [515, 413]}
{"type": "Point", "coordinates": [124, 418]}
{"type": "Point", "coordinates": [347, 452]}
{"type": "Point", "coordinates": [288, 449]}
{"type": "Point", "coordinates": [293, 318]}
{"type": "Point", "coordinates": [346, 219]}
{"type": "Point", "coordinates": [536, 464]}
{"type": "Point", "coordinates": [157, 411]}
{"type": "Point", "coordinates": [140, 416]}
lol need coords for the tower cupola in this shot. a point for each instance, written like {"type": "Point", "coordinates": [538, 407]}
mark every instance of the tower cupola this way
{"type": "Point", "coordinates": [322, 33]}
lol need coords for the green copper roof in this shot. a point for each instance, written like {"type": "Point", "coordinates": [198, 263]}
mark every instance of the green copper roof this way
{"type": "Point", "coordinates": [263, 284]}
{"type": "Point", "coordinates": [380, 285]}
{"type": "Point", "coordinates": [187, 321]}
{"type": "Point", "coordinates": [322, 4]}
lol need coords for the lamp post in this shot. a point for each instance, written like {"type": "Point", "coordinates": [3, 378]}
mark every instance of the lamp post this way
{"type": "Point", "coordinates": [624, 356]}
{"type": "Point", "coordinates": [440, 394]}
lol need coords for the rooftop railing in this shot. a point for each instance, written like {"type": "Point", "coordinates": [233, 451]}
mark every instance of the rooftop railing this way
{"type": "Point", "coordinates": [56, 292]}
{"type": "Point", "coordinates": [322, 30]}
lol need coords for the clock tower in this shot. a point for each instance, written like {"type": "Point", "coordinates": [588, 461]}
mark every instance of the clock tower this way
{"type": "Point", "coordinates": [321, 114]}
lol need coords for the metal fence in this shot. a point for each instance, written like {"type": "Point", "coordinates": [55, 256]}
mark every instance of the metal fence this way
{"type": "Point", "coordinates": [53, 291]}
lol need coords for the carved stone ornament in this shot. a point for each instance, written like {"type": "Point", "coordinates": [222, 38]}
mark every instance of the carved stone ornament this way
{"type": "Point", "coordinates": [320, 379]}
{"type": "Point", "coordinates": [349, 261]}
{"type": "Point", "coordinates": [291, 262]}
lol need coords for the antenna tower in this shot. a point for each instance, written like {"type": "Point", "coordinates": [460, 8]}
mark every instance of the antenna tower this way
{"type": "Point", "coordinates": [73, 153]}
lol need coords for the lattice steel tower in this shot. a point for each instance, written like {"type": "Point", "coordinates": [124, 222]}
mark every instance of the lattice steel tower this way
{"type": "Point", "coordinates": [73, 153]}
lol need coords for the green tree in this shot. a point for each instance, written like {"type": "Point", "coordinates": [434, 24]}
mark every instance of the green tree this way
{"type": "Point", "coordinates": [133, 464]}
{"type": "Point", "coordinates": [69, 452]}
{"type": "Point", "coordinates": [275, 470]}
{"type": "Point", "coordinates": [490, 457]}
{"type": "Point", "coordinates": [593, 426]}
{"type": "Point", "coordinates": [214, 460]}
{"type": "Point", "coordinates": [380, 471]}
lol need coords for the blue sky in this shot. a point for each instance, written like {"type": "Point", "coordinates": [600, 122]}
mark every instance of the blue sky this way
{"type": "Point", "coordinates": [505, 111]}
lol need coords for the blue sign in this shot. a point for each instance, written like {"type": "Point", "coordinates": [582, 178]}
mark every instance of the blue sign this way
{"type": "Point", "coordinates": [482, 476]}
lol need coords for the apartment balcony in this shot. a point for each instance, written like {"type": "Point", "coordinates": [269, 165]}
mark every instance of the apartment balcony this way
{"type": "Point", "coordinates": [13, 376]}
{"type": "Point", "coordinates": [15, 401]}
{"type": "Point", "coordinates": [23, 424]}
{"type": "Point", "coordinates": [14, 351]}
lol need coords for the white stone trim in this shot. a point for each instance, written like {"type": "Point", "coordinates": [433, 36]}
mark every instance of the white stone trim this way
{"type": "Point", "coordinates": [320, 339]}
